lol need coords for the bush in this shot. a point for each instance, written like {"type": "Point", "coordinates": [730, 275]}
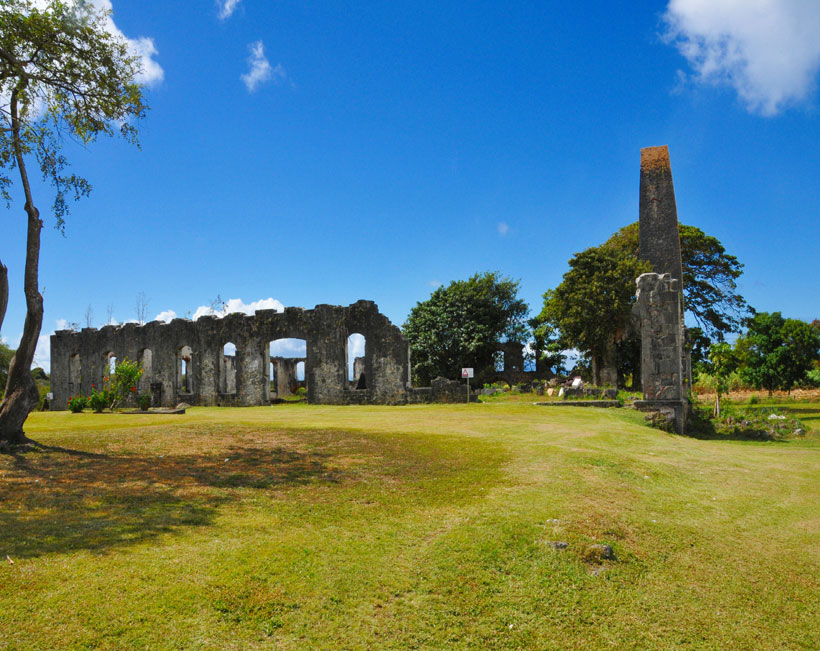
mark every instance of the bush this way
{"type": "Point", "coordinates": [144, 401]}
{"type": "Point", "coordinates": [124, 382]}
{"type": "Point", "coordinates": [77, 403]}
{"type": "Point", "coordinates": [813, 378]}
{"type": "Point", "coordinates": [99, 400]}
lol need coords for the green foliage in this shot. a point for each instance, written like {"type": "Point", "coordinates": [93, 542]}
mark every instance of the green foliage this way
{"type": "Point", "coordinates": [709, 278]}
{"type": "Point", "coordinates": [460, 325]}
{"type": "Point", "coordinates": [6, 353]}
{"type": "Point", "coordinates": [709, 383]}
{"type": "Point", "coordinates": [813, 378]}
{"type": "Point", "coordinates": [749, 423]}
{"type": "Point", "coordinates": [77, 403]}
{"type": "Point", "coordinates": [144, 400]}
{"type": "Point", "coordinates": [99, 400]}
{"type": "Point", "coordinates": [698, 345]}
{"type": "Point", "coordinates": [776, 353]}
{"type": "Point", "coordinates": [64, 73]}
{"type": "Point", "coordinates": [43, 389]}
{"type": "Point", "coordinates": [723, 362]}
{"type": "Point", "coordinates": [547, 346]}
{"type": "Point", "coordinates": [124, 381]}
{"type": "Point", "coordinates": [39, 373]}
{"type": "Point", "coordinates": [591, 308]}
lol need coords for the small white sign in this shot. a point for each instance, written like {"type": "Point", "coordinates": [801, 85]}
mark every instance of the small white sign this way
{"type": "Point", "coordinates": [467, 373]}
{"type": "Point", "coordinates": [50, 396]}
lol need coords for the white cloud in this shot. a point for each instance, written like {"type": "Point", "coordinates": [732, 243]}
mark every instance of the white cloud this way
{"type": "Point", "coordinates": [288, 348]}
{"type": "Point", "coordinates": [42, 354]}
{"type": "Point", "coordinates": [435, 283]}
{"type": "Point", "coordinates": [166, 316]}
{"type": "Point", "coordinates": [238, 305]}
{"type": "Point", "coordinates": [227, 7]}
{"type": "Point", "coordinates": [142, 47]}
{"type": "Point", "coordinates": [503, 228]}
{"type": "Point", "coordinates": [767, 50]}
{"type": "Point", "coordinates": [260, 69]}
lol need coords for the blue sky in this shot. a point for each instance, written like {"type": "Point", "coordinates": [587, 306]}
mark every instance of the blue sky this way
{"type": "Point", "coordinates": [327, 152]}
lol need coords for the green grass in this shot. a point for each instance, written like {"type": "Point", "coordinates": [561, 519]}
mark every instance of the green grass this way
{"type": "Point", "coordinates": [302, 526]}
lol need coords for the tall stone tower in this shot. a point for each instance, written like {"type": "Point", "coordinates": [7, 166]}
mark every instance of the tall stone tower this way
{"type": "Point", "coordinates": [659, 238]}
{"type": "Point", "coordinates": [659, 305]}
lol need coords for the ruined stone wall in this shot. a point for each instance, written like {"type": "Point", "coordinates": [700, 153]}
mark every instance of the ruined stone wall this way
{"type": "Point", "coordinates": [284, 379]}
{"type": "Point", "coordinates": [79, 358]}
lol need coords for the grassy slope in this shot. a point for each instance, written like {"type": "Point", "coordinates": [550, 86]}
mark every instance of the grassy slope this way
{"type": "Point", "coordinates": [365, 527]}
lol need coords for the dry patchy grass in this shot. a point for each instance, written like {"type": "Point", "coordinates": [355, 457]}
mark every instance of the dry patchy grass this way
{"type": "Point", "coordinates": [417, 527]}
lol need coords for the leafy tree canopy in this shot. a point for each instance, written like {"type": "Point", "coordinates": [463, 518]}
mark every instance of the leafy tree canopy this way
{"type": "Point", "coordinates": [591, 308]}
{"type": "Point", "coordinates": [460, 325]}
{"type": "Point", "coordinates": [776, 353]}
{"type": "Point", "coordinates": [709, 278]}
{"type": "Point", "coordinates": [61, 73]}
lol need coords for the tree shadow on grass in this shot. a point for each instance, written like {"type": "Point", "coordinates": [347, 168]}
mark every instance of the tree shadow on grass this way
{"type": "Point", "coordinates": [56, 500]}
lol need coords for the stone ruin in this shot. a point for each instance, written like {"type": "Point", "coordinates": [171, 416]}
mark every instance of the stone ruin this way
{"type": "Point", "coordinates": [665, 363]}
{"type": "Point", "coordinates": [187, 361]}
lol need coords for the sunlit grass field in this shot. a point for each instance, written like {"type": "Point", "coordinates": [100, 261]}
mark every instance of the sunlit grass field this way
{"type": "Point", "coordinates": [301, 527]}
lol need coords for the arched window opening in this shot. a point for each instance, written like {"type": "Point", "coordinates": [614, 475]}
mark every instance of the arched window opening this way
{"type": "Point", "coordinates": [109, 364]}
{"type": "Point", "coordinates": [355, 356]}
{"type": "Point", "coordinates": [530, 358]}
{"type": "Point", "coordinates": [184, 369]}
{"type": "Point", "coordinates": [227, 369]}
{"type": "Point", "coordinates": [287, 367]}
{"type": "Point", "coordinates": [498, 361]}
{"type": "Point", "coordinates": [145, 357]}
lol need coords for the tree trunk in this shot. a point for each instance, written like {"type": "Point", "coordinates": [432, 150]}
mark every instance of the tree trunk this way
{"type": "Point", "coordinates": [21, 391]}
{"type": "Point", "coordinates": [4, 292]}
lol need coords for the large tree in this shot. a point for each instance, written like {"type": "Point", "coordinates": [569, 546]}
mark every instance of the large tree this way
{"type": "Point", "coordinates": [461, 324]}
{"type": "Point", "coordinates": [62, 74]}
{"type": "Point", "coordinates": [591, 308]}
{"type": "Point", "coordinates": [709, 278]}
{"type": "Point", "coordinates": [776, 353]}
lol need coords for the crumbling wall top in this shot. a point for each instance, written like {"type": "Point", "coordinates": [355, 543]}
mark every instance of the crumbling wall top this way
{"type": "Point", "coordinates": [653, 158]}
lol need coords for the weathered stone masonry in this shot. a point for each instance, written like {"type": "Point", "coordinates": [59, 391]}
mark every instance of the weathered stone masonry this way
{"type": "Point", "coordinates": [184, 360]}
{"type": "Point", "coordinates": [665, 373]}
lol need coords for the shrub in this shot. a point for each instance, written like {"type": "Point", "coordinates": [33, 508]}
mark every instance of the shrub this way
{"type": "Point", "coordinates": [813, 378]}
{"type": "Point", "coordinates": [144, 401]}
{"type": "Point", "coordinates": [99, 400]}
{"type": "Point", "coordinates": [124, 381]}
{"type": "Point", "coordinates": [77, 403]}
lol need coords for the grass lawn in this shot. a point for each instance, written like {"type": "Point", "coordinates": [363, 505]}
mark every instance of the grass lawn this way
{"type": "Point", "coordinates": [301, 527]}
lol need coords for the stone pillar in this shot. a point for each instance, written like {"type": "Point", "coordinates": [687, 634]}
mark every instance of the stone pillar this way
{"type": "Point", "coordinates": [62, 382]}
{"type": "Point", "coordinates": [659, 305]}
{"type": "Point", "coordinates": [658, 225]}
{"type": "Point", "coordinates": [251, 358]}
